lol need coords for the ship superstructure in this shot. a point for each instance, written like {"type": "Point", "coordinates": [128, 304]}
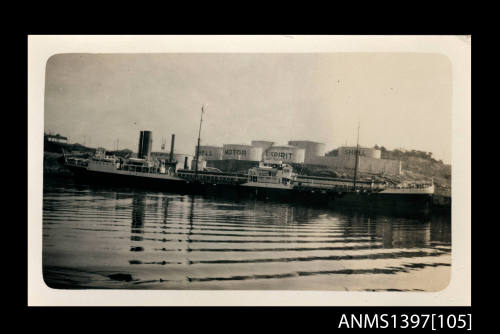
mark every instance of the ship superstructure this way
{"type": "Point", "coordinates": [271, 174]}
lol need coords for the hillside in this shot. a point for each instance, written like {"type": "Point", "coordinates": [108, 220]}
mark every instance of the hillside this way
{"type": "Point", "coordinates": [417, 165]}
{"type": "Point", "coordinates": [67, 148]}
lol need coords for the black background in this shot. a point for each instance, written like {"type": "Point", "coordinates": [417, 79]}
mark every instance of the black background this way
{"type": "Point", "coordinates": [231, 18]}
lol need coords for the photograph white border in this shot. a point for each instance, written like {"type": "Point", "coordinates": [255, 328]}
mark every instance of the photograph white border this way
{"type": "Point", "coordinates": [456, 48]}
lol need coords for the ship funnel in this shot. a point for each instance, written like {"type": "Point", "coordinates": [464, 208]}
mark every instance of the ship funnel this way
{"type": "Point", "coordinates": [139, 150]}
{"type": "Point", "coordinates": [172, 148]}
{"type": "Point", "coordinates": [145, 144]}
{"type": "Point", "coordinates": [185, 162]}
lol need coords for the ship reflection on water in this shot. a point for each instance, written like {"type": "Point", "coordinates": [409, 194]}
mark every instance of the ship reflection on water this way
{"type": "Point", "coordinates": [122, 238]}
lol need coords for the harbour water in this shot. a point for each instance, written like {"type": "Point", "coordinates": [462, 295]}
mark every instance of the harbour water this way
{"type": "Point", "coordinates": [119, 238]}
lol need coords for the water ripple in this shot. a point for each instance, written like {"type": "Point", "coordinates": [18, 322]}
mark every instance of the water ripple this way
{"type": "Point", "coordinates": [94, 236]}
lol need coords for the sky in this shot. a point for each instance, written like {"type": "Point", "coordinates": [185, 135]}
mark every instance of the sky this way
{"type": "Point", "coordinates": [401, 100]}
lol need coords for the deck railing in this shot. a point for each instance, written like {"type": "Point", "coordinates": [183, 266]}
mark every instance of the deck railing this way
{"type": "Point", "coordinates": [213, 178]}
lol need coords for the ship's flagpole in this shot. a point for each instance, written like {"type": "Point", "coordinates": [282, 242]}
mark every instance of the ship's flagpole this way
{"type": "Point", "coordinates": [356, 161]}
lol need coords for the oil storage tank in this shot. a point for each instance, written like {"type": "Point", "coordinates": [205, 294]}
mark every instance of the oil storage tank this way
{"type": "Point", "coordinates": [145, 145]}
{"type": "Point", "coordinates": [264, 144]}
{"type": "Point", "coordinates": [347, 152]}
{"type": "Point", "coordinates": [312, 149]}
{"type": "Point", "coordinates": [241, 152]}
{"type": "Point", "coordinates": [285, 153]}
{"type": "Point", "coordinates": [210, 153]}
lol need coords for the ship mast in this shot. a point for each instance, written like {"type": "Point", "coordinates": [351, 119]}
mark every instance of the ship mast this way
{"type": "Point", "coordinates": [357, 160]}
{"type": "Point", "coordinates": [198, 147]}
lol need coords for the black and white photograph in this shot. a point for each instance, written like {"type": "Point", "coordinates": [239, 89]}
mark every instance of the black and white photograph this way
{"type": "Point", "coordinates": [256, 170]}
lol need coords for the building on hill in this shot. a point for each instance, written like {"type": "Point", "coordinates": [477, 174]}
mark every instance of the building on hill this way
{"type": "Point", "coordinates": [57, 138]}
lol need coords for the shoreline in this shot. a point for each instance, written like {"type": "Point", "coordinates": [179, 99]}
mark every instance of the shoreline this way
{"type": "Point", "coordinates": [52, 167]}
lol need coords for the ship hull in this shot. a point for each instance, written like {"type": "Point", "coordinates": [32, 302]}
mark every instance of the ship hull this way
{"type": "Point", "coordinates": [395, 202]}
{"type": "Point", "coordinates": [365, 200]}
{"type": "Point", "coordinates": [127, 180]}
